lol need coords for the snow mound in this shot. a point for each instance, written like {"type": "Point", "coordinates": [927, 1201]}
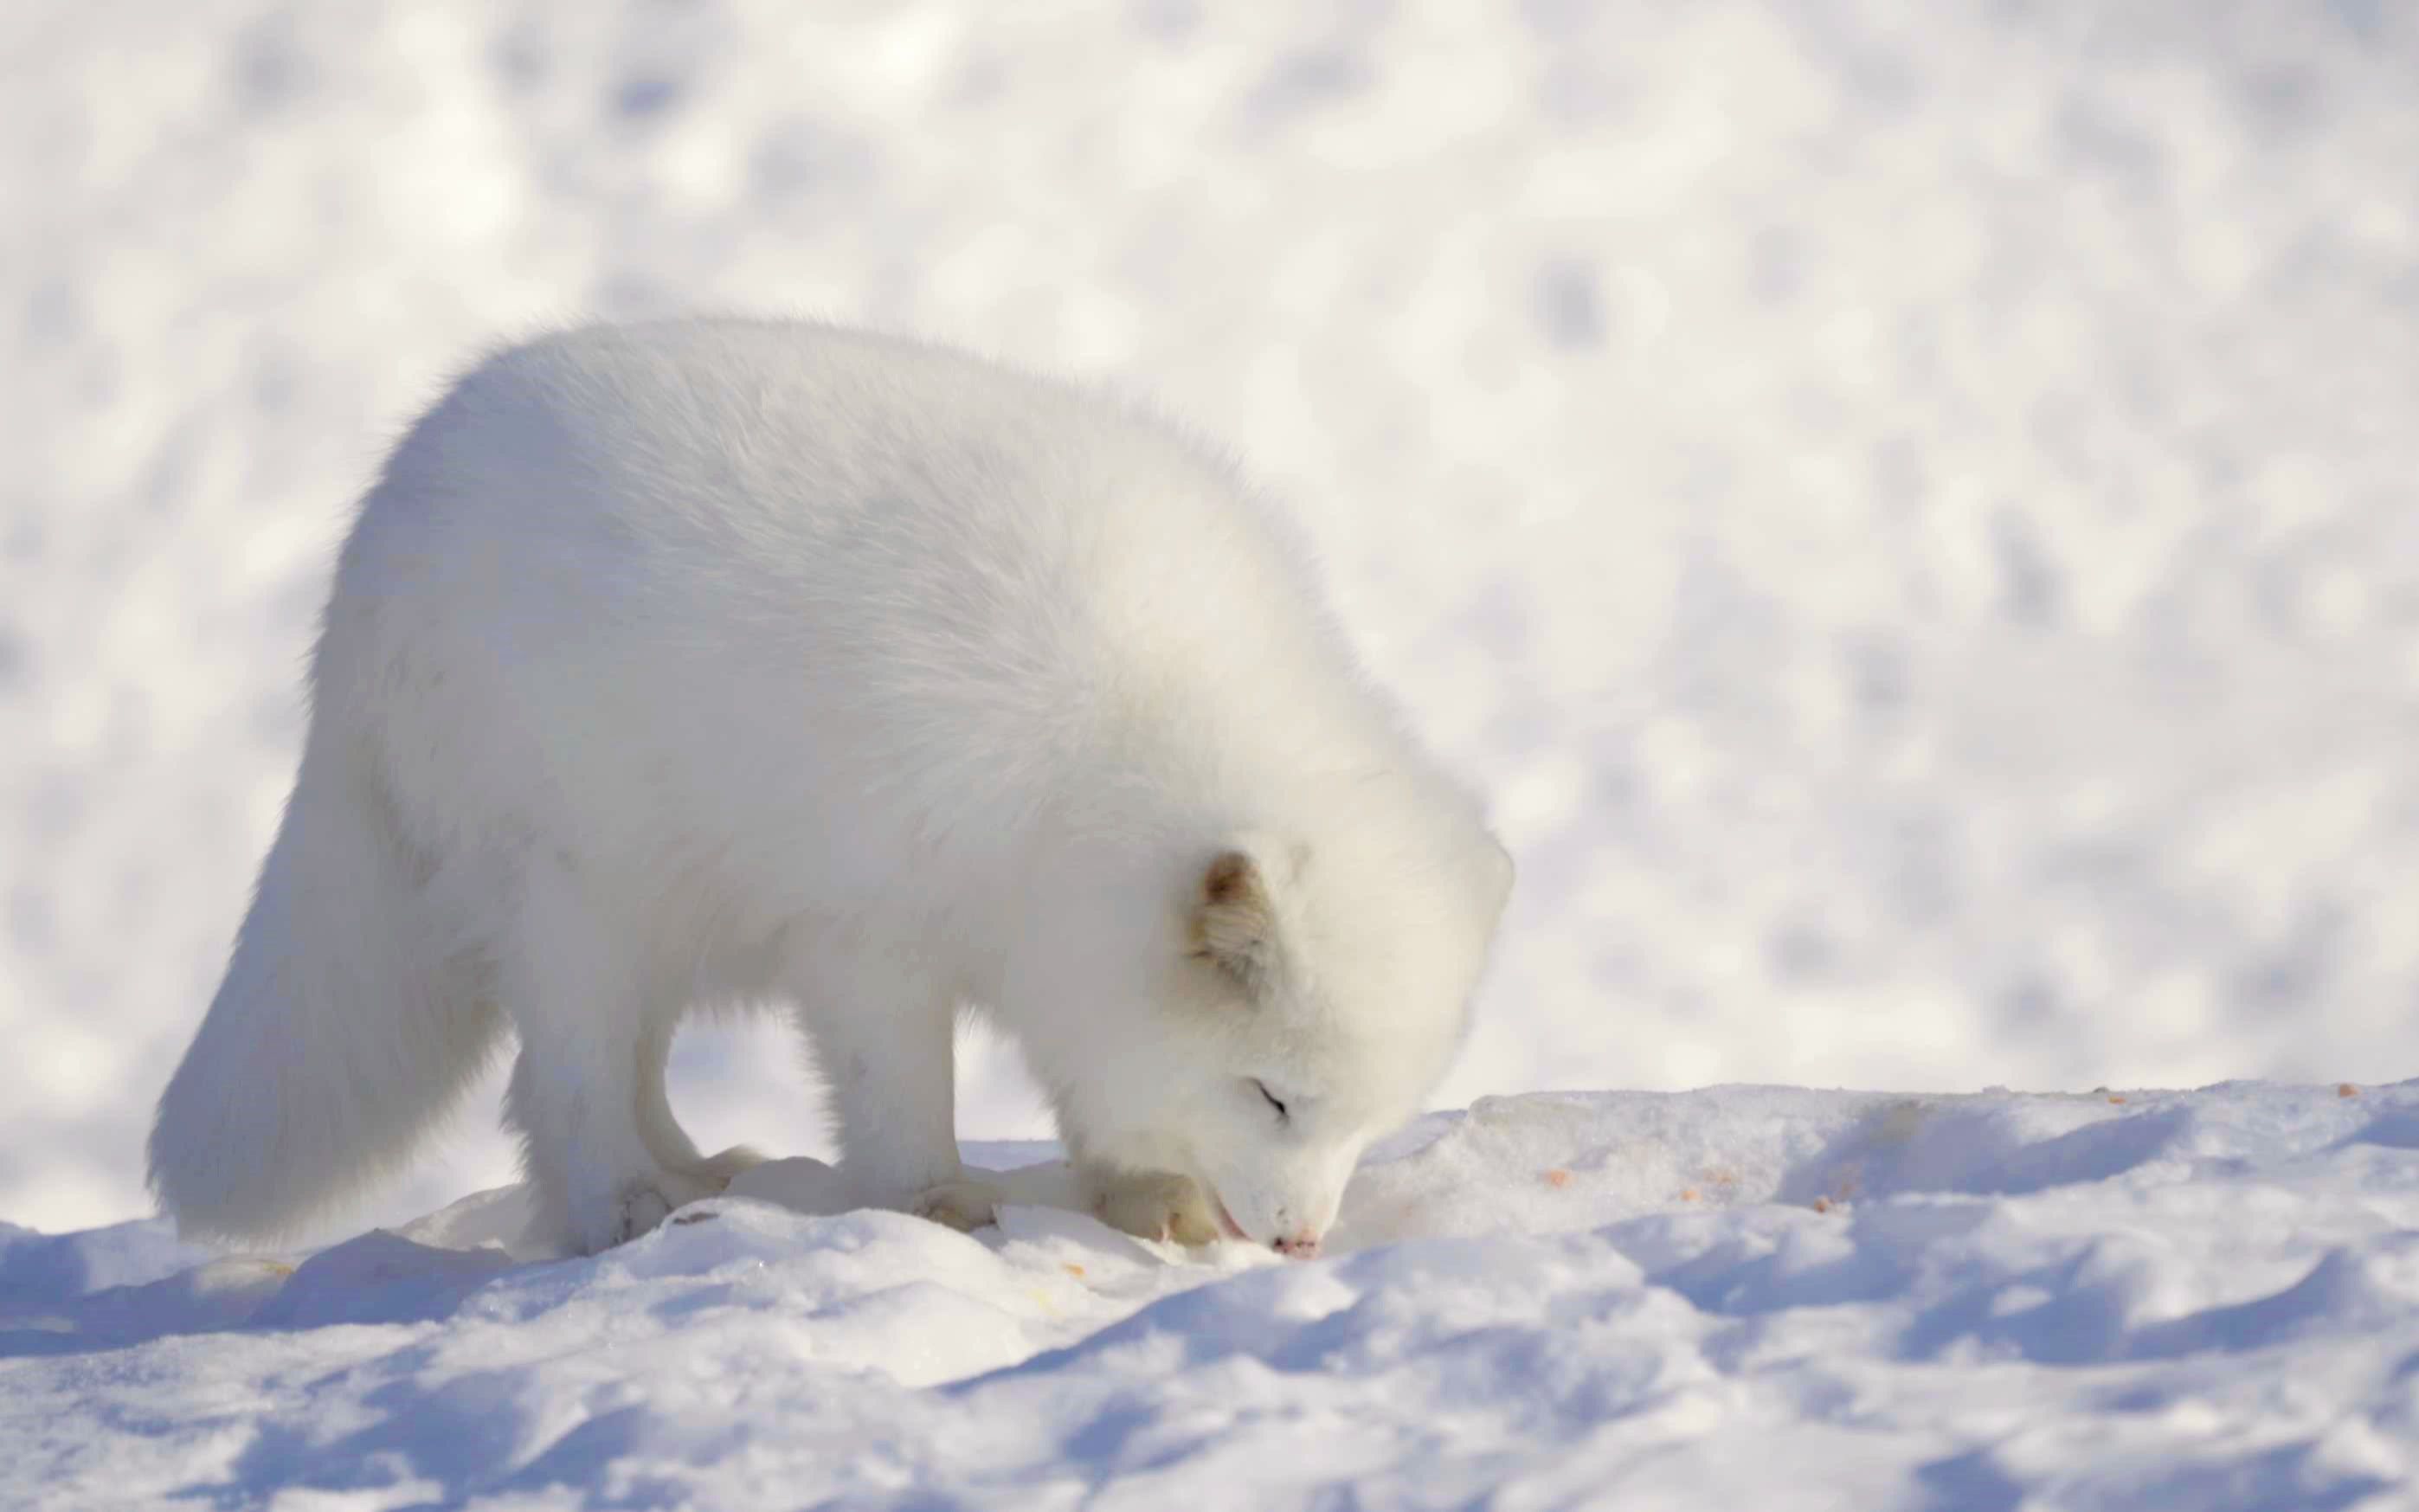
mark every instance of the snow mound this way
{"type": "Point", "coordinates": [1750, 1296]}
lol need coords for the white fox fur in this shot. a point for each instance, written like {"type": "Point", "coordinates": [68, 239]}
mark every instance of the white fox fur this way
{"type": "Point", "coordinates": [721, 661]}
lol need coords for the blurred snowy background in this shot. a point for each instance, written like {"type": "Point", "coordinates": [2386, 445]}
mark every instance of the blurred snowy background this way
{"type": "Point", "coordinates": [1914, 524]}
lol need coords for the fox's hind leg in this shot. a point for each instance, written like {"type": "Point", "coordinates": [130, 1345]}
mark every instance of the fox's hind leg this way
{"type": "Point", "coordinates": [581, 1009]}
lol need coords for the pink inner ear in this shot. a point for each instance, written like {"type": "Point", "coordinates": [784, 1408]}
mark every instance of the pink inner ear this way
{"type": "Point", "coordinates": [1229, 878]}
{"type": "Point", "coordinates": [1233, 922]}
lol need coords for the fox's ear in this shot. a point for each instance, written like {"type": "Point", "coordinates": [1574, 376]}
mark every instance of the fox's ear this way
{"type": "Point", "coordinates": [1234, 920]}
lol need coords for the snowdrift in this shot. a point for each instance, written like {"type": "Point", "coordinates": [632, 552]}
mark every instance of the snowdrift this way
{"type": "Point", "coordinates": [1739, 1297]}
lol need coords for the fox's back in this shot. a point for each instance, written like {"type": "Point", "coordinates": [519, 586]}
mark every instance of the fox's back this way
{"type": "Point", "coordinates": [739, 571]}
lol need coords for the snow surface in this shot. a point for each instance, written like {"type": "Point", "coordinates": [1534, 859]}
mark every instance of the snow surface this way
{"type": "Point", "coordinates": [1745, 1297]}
{"type": "Point", "coordinates": [1908, 511]}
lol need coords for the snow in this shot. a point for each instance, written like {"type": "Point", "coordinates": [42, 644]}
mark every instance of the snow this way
{"type": "Point", "coordinates": [1738, 1297]}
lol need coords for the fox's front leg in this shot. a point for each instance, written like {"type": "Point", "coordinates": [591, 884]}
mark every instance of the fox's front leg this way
{"type": "Point", "coordinates": [885, 1042]}
{"type": "Point", "coordinates": [1153, 1205]}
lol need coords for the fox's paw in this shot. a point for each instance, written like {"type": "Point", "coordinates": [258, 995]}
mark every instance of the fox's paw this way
{"type": "Point", "coordinates": [966, 1204]}
{"type": "Point", "coordinates": [1153, 1205]}
{"type": "Point", "coordinates": [639, 1206]}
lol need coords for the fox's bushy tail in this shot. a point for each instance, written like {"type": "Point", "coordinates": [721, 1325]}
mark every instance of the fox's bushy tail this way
{"type": "Point", "coordinates": [345, 1027]}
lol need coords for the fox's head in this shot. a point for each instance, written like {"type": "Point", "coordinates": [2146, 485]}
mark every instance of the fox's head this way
{"type": "Point", "coordinates": [1307, 999]}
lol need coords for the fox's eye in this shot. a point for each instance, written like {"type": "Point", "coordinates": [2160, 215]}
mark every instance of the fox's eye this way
{"type": "Point", "coordinates": [1272, 1099]}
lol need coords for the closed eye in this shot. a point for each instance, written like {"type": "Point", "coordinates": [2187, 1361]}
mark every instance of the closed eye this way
{"type": "Point", "coordinates": [1273, 1100]}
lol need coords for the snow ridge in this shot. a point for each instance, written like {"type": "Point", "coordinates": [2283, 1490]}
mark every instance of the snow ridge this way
{"type": "Point", "coordinates": [1747, 1296]}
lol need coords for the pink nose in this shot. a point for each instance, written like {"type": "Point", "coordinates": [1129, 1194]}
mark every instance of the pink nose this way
{"type": "Point", "coordinates": [1300, 1246]}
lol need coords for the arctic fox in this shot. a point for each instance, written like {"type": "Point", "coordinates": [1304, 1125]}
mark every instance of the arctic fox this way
{"type": "Point", "coordinates": [754, 662]}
